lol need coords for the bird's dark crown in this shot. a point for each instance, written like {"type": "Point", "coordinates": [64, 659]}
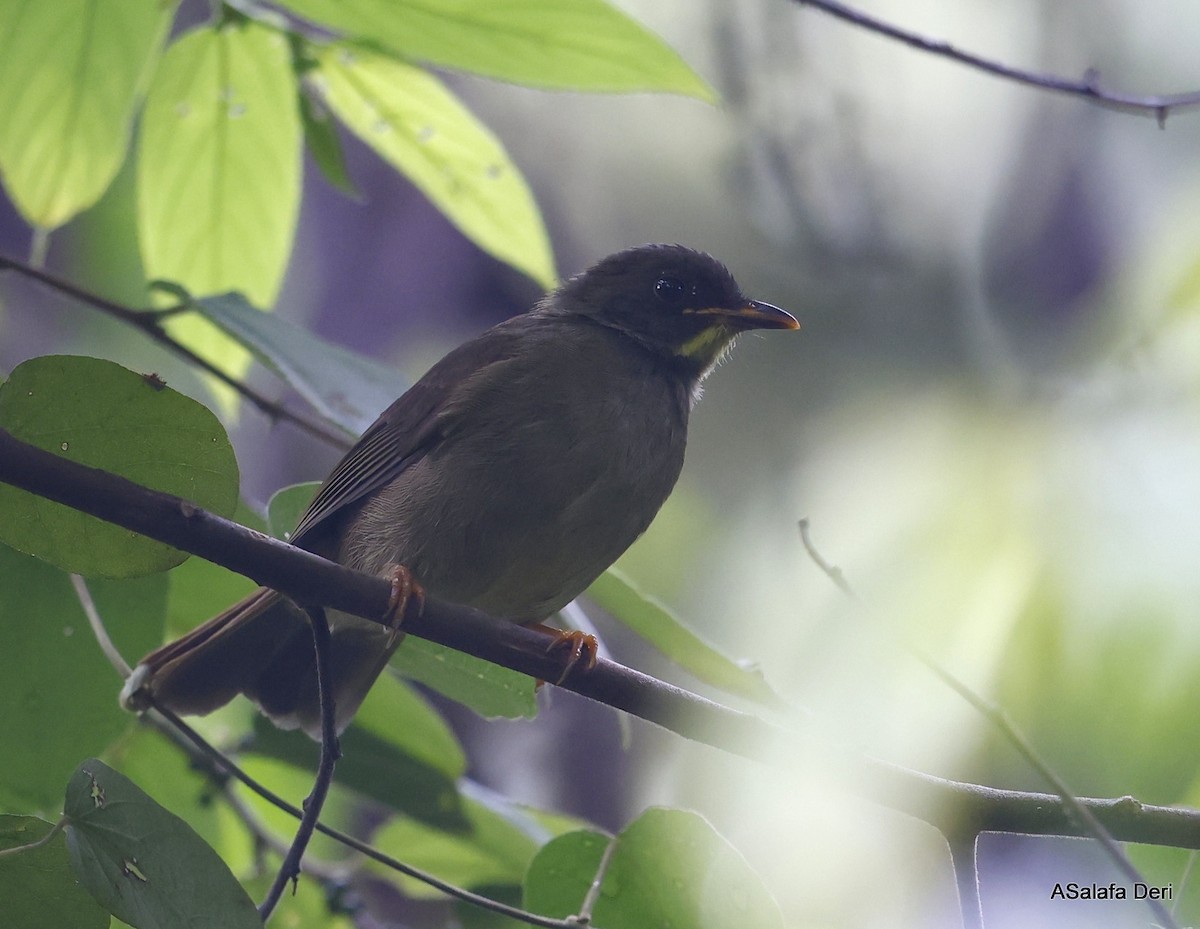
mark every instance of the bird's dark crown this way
{"type": "Point", "coordinates": [675, 301]}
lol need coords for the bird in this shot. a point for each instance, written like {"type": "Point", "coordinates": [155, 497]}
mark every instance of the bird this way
{"type": "Point", "coordinates": [507, 478]}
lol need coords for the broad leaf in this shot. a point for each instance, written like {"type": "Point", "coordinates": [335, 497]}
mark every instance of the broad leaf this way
{"type": "Point", "coordinates": [71, 72]}
{"type": "Point", "coordinates": [219, 172]}
{"type": "Point", "coordinates": [37, 886]}
{"type": "Point", "coordinates": [568, 44]}
{"type": "Point", "coordinates": [344, 386]}
{"type": "Point", "coordinates": [286, 507]}
{"type": "Point", "coordinates": [143, 863]}
{"type": "Point", "coordinates": [99, 414]}
{"type": "Point", "coordinates": [669, 868]}
{"type": "Point", "coordinates": [494, 849]}
{"type": "Point", "coordinates": [488, 689]}
{"type": "Point", "coordinates": [415, 124]}
{"type": "Point", "coordinates": [219, 162]}
{"type": "Point", "coordinates": [373, 767]}
{"type": "Point", "coordinates": [60, 689]}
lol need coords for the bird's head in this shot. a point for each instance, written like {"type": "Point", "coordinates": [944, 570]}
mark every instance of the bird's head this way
{"type": "Point", "coordinates": [677, 302]}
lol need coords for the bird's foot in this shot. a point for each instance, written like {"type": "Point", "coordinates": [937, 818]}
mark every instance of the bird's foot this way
{"type": "Point", "coordinates": [579, 646]}
{"type": "Point", "coordinates": [407, 597]}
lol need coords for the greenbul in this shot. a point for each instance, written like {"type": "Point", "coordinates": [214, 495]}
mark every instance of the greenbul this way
{"type": "Point", "coordinates": [507, 478]}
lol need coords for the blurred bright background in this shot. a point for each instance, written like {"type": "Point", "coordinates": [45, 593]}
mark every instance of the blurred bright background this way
{"type": "Point", "coordinates": [990, 416]}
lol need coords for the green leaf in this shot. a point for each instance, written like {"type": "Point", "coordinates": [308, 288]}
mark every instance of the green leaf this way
{"type": "Point", "coordinates": [494, 849]}
{"type": "Point", "coordinates": [344, 386]}
{"type": "Point", "coordinates": [143, 863]}
{"type": "Point", "coordinates": [669, 868]}
{"type": "Point", "coordinates": [650, 619]}
{"type": "Point", "coordinates": [37, 886]}
{"type": "Point", "coordinates": [219, 162]}
{"type": "Point", "coordinates": [562, 869]}
{"type": "Point", "coordinates": [286, 507]}
{"type": "Point", "coordinates": [384, 763]}
{"type": "Point", "coordinates": [173, 780]}
{"type": "Point", "coordinates": [97, 413]}
{"type": "Point", "coordinates": [394, 713]}
{"type": "Point", "coordinates": [566, 44]}
{"type": "Point", "coordinates": [321, 139]}
{"type": "Point", "coordinates": [415, 124]}
{"type": "Point", "coordinates": [200, 589]}
{"type": "Point", "coordinates": [71, 73]}
{"type": "Point", "coordinates": [488, 689]}
{"type": "Point", "coordinates": [59, 690]}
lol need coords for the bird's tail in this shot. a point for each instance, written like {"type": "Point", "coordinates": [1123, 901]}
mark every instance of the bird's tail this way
{"type": "Point", "coordinates": [262, 647]}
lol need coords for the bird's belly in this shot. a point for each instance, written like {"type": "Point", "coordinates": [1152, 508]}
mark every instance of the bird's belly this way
{"type": "Point", "coordinates": [527, 551]}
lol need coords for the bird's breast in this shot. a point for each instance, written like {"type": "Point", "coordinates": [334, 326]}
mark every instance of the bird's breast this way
{"type": "Point", "coordinates": [541, 480]}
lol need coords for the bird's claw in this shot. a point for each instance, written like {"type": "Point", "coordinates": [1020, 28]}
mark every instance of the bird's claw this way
{"type": "Point", "coordinates": [407, 597]}
{"type": "Point", "coordinates": [580, 646]}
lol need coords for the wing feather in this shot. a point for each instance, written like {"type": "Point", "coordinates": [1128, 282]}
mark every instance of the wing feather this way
{"type": "Point", "coordinates": [406, 430]}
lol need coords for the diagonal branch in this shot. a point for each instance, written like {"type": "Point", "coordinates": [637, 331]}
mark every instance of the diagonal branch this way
{"type": "Point", "coordinates": [1159, 106]}
{"type": "Point", "coordinates": [149, 323]}
{"type": "Point", "coordinates": [950, 806]}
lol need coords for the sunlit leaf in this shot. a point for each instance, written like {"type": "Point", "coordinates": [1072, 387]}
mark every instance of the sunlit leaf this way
{"type": "Point", "coordinates": [219, 162]}
{"type": "Point", "coordinates": [219, 172]}
{"type": "Point", "coordinates": [567, 44]}
{"type": "Point", "coordinates": [71, 72]}
{"type": "Point", "coordinates": [413, 122]}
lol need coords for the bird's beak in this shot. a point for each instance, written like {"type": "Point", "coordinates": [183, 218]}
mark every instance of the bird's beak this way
{"type": "Point", "coordinates": [752, 315]}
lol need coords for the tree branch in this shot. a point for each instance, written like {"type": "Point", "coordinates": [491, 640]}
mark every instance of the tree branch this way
{"type": "Point", "coordinates": [950, 806]}
{"type": "Point", "coordinates": [289, 870]}
{"type": "Point", "coordinates": [149, 323]}
{"type": "Point", "coordinates": [1158, 106]}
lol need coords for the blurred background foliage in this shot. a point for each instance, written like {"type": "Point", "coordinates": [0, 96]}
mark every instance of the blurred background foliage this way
{"type": "Point", "coordinates": [990, 416]}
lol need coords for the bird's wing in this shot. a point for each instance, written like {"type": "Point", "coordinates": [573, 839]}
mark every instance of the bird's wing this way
{"type": "Point", "coordinates": [408, 428]}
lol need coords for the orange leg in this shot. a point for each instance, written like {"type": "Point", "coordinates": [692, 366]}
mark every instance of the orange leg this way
{"type": "Point", "coordinates": [580, 646]}
{"type": "Point", "coordinates": [406, 595]}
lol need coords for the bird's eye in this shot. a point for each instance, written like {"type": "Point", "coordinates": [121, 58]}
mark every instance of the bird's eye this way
{"type": "Point", "coordinates": [670, 290]}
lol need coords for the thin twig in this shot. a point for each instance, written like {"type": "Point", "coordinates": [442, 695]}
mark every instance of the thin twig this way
{"type": "Point", "coordinates": [1183, 882]}
{"type": "Point", "coordinates": [33, 846]}
{"type": "Point", "coordinates": [999, 719]}
{"type": "Point", "coordinates": [103, 639]}
{"type": "Point", "coordinates": [289, 871]}
{"type": "Point", "coordinates": [148, 322]}
{"type": "Point", "coordinates": [964, 851]}
{"type": "Point", "coordinates": [584, 916]}
{"type": "Point", "coordinates": [1157, 106]}
{"type": "Point", "coordinates": [179, 729]}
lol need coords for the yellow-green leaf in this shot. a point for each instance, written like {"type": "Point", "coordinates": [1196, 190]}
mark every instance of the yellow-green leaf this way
{"type": "Point", "coordinates": [412, 121]}
{"type": "Point", "coordinates": [219, 163]}
{"type": "Point", "coordinates": [71, 73]}
{"type": "Point", "coordinates": [567, 44]}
